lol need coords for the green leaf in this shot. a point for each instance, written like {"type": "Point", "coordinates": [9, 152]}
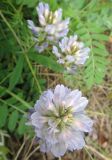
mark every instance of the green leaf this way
{"type": "Point", "coordinates": [29, 3]}
{"type": "Point", "coordinates": [94, 28]}
{"type": "Point", "coordinates": [13, 119]}
{"type": "Point", "coordinates": [77, 3]}
{"type": "Point", "coordinates": [4, 150]}
{"type": "Point", "coordinates": [16, 74]}
{"type": "Point", "coordinates": [81, 31]}
{"type": "Point", "coordinates": [96, 65]}
{"type": "Point", "coordinates": [3, 115]}
{"type": "Point", "coordinates": [97, 50]}
{"type": "Point", "coordinates": [101, 37]}
{"type": "Point", "coordinates": [47, 62]}
{"type": "Point", "coordinates": [22, 126]}
{"type": "Point", "coordinates": [2, 91]}
{"type": "Point", "coordinates": [92, 4]}
{"type": "Point", "coordinates": [99, 44]}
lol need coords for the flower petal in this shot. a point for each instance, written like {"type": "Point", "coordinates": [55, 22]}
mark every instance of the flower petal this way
{"type": "Point", "coordinates": [72, 97]}
{"type": "Point", "coordinates": [42, 47]}
{"type": "Point", "coordinates": [82, 123]}
{"type": "Point", "coordinates": [57, 16]}
{"type": "Point", "coordinates": [35, 118]}
{"type": "Point", "coordinates": [55, 51]}
{"type": "Point", "coordinates": [80, 104]}
{"type": "Point", "coordinates": [59, 94]}
{"type": "Point", "coordinates": [59, 149]}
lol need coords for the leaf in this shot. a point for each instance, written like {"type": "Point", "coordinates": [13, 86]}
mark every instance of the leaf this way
{"type": "Point", "coordinates": [29, 3]}
{"type": "Point", "coordinates": [16, 74]}
{"type": "Point", "coordinates": [96, 65]}
{"type": "Point", "coordinates": [13, 119]}
{"type": "Point", "coordinates": [53, 4]}
{"type": "Point", "coordinates": [4, 150]}
{"type": "Point", "coordinates": [80, 31]}
{"type": "Point", "coordinates": [77, 3]}
{"type": "Point", "coordinates": [101, 37]}
{"type": "Point", "coordinates": [22, 126]}
{"type": "Point", "coordinates": [92, 4]}
{"type": "Point", "coordinates": [2, 91]}
{"type": "Point", "coordinates": [46, 61]}
{"type": "Point", "coordinates": [3, 115]}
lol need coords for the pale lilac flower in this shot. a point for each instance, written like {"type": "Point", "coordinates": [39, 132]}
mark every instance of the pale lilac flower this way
{"type": "Point", "coordinates": [59, 120]}
{"type": "Point", "coordinates": [56, 31]}
{"type": "Point", "coordinates": [34, 29]}
{"type": "Point", "coordinates": [71, 52]}
{"type": "Point", "coordinates": [52, 21]}
{"type": "Point", "coordinates": [46, 16]}
{"type": "Point", "coordinates": [52, 27]}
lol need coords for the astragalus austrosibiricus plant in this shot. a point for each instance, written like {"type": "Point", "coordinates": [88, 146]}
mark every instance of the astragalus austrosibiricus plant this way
{"type": "Point", "coordinates": [59, 120]}
{"type": "Point", "coordinates": [51, 26]}
{"type": "Point", "coordinates": [71, 53]}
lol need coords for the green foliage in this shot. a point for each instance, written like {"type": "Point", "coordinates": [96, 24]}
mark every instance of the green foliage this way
{"type": "Point", "coordinates": [96, 65]}
{"type": "Point", "coordinates": [22, 126]}
{"type": "Point", "coordinates": [3, 152]}
{"type": "Point", "coordinates": [29, 3]}
{"type": "Point", "coordinates": [16, 74]}
{"type": "Point", "coordinates": [46, 61]}
{"type": "Point", "coordinates": [3, 115]}
{"type": "Point", "coordinates": [13, 119]}
{"type": "Point", "coordinates": [88, 24]}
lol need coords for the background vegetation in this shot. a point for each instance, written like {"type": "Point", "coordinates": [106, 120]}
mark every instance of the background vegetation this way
{"type": "Point", "coordinates": [24, 74]}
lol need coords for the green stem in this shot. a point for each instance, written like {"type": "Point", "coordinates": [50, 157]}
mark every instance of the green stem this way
{"type": "Point", "coordinates": [23, 51]}
{"type": "Point", "coordinates": [5, 78]}
{"type": "Point", "coordinates": [15, 96]}
{"type": "Point", "coordinates": [33, 73]}
{"type": "Point", "coordinates": [88, 154]}
{"type": "Point", "coordinates": [12, 106]}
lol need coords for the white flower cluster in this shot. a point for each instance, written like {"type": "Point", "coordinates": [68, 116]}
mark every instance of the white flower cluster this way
{"type": "Point", "coordinates": [59, 120]}
{"type": "Point", "coordinates": [71, 53]}
{"type": "Point", "coordinates": [68, 50]}
{"type": "Point", "coordinates": [52, 27]}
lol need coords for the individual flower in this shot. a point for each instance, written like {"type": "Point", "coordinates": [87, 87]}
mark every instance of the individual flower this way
{"type": "Point", "coordinates": [51, 26]}
{"type": "Point", "coordinates": [39, 37]}
{"type": "Point", "coordinates": [71, 52]}
{"type": "Point", "coordinates": [59, 120]}
{"type": "Point", "coordinates": [52, 22]}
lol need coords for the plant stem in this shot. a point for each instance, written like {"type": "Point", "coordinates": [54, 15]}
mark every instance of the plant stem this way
{"type": "Point", "coordinates": [29, 148]}
{"type": "Point", "coordinates": [15, 96]}
{"type": "Point", "coordinates": [23, 112]}
{"type": "Point", "coordinates": [98, 154]}
{"type": "Point", "coordinates": [59, 158]}
{"type": "Point", "coordinates": [19, 151]}
{"type": "Point", "coordinates": [32, 152]}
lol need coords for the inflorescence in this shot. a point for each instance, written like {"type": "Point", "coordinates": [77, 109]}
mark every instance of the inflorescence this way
{"type": "Point", "coordinates": [58, 116]}
{"type": "Point", "coordinates": [52, 33]}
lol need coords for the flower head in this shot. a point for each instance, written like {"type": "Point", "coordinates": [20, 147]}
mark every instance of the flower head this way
{"type": "Point", "coordinates": [46, 16]}
{"type": "Point", "coordinates": [52, 27]}
{"type": "Point", "coordinates": [71, 52]}
{"type": "Point", "coordinates": [59, 120]}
